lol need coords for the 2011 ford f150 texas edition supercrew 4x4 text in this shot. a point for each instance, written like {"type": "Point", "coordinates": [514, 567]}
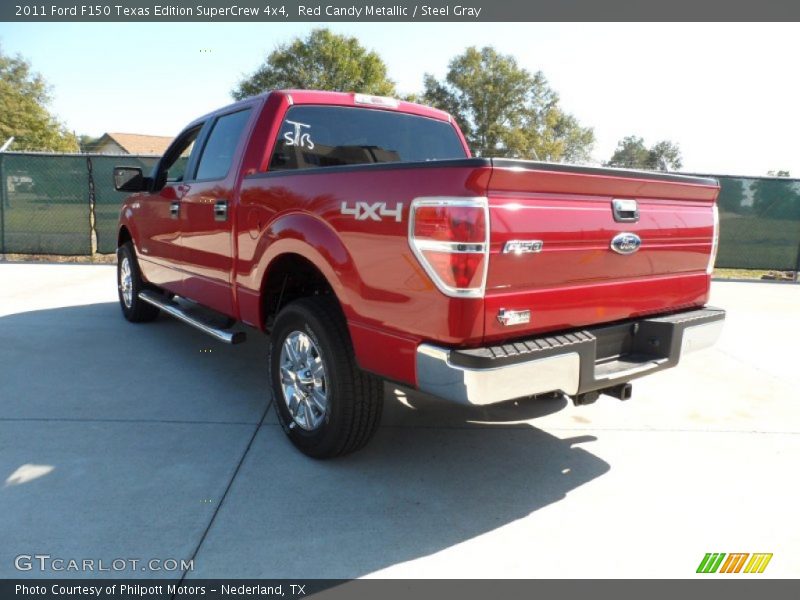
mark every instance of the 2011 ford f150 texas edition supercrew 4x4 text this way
{"type": "Point", "coordinates": [360, 234]}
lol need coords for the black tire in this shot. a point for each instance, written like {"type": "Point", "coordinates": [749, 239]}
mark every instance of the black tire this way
{"type": "Point", "coordinates": [134, 309]}
{"type": "Point", "coordinates": [354, 398]}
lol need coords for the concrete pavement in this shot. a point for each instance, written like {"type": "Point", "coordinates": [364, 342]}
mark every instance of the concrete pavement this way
{"type": "Point", "coordinates": [155, 442]}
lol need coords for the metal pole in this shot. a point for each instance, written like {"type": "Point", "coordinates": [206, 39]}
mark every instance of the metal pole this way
{"type": "Point", "coordinates": [2, 206]}
{"type": "Point", "coordinates": [797, 264]}
{"type": "Point", "coordinates": [92, 213]}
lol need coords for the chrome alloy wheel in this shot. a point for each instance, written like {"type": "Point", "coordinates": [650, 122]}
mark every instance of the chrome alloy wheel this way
{"type": "Point", "coordinates": [126, 282]}
{"type": "Point", "coordinates": [303, 381]}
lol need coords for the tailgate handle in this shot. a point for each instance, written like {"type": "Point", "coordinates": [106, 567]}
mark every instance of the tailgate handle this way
{"type": "Point", "coordinates": [625, 211]}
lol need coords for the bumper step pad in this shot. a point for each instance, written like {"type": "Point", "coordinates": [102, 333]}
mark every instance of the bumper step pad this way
{"type": "Point", "coordinates": [610, 354]}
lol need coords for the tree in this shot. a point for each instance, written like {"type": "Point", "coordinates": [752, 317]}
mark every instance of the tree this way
{"type": "Point", "coordinates": [504, 110]}
{"type": "Point", "coordinates": [779, 173]}
{"type": "Point", "coordinates": [439, 95]}
{"type": "Point", "coordinates": [88, 143]}
{"type": "Point", "coordinates": [632, 153]}
{"type": "Point", "coordinates": [24, 97]}
{"type": "Point", "coordinates": [322, 61]}
{"type": "Point", "coordinates": [665, 156]}
{"type": "Point", "coordinates": [732, 194]}
{"type": "Point", "coordinates": [776, 198]}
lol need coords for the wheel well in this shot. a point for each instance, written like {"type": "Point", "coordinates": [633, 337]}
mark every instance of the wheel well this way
{"type": "Point", "coordinates": [124, 236]}
{"type": "Point", "coordinates": [290, 277]}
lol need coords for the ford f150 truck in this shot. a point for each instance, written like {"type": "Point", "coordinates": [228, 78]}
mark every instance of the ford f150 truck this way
{"type": "Point", "coordinates": [363, 237]}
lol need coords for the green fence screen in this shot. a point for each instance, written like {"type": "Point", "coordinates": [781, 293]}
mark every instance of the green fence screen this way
{"type": "Point", "coordinates": [45, 208]}
{"type": "Point", "coordinates": [107, 199]}
{"type": "Point", "coordinates": [759, 223]}
{"type": "Point", "coordinates": [48, 201]}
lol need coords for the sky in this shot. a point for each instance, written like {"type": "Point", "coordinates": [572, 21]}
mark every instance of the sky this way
{"type": "Point", "coordinates": [728, 94]}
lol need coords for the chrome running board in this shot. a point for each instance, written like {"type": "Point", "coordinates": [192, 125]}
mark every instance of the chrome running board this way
{"type": "Point", "coordinates": [175, 310]}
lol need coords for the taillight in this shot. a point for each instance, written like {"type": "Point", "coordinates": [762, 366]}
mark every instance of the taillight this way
{"type": "Point", "coordinates": [715, 243]}
{"type": "Point", "coordinates": [450, 238]}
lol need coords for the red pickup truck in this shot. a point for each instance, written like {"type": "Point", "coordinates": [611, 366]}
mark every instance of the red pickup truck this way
{"type": "Point", "coordinates": [360, 234]}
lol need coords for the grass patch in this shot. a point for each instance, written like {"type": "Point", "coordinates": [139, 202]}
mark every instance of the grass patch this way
{"type": "Point", "coordinates": [753, 274]}
{"type": "Point", "coordinates": [102, 259]}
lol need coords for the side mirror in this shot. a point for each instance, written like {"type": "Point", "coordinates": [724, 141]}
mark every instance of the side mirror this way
{"type": "Point", "coordinates": [129, 179]}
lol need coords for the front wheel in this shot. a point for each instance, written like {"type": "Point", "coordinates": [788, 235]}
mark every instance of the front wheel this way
{"type": "Point", "coordinates": [326, 405]}
{"type": "Point", "coordinates": [129, 284]}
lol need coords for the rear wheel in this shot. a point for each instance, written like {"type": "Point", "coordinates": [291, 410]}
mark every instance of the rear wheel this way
{"type": "Point", "coordinates": [326, 405]}
{"type": "Point", "coordinates": [129, 284]}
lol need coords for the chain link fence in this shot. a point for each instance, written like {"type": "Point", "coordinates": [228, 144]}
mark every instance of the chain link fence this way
{"type": "Point", "coordinates": [66, 204]}
{"type": "Point", "coordinates": [107, 200]}
{"type": "Point", "coordinates": [60, 203]}
{"type": "Point", "coordinates": [759, 223]}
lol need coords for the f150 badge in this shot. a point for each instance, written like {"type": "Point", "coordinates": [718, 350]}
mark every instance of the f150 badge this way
{"type": "Point", "coordinates": [626, 243]}
{"type": "Point", "coordinates": [375, 211]}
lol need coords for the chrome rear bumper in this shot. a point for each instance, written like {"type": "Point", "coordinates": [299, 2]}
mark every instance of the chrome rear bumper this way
{"type": "Point", "coordinates": [573, 362]}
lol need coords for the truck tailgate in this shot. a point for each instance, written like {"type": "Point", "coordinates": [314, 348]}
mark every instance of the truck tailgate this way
{"type": "Point", "coordinates": [575, 278]}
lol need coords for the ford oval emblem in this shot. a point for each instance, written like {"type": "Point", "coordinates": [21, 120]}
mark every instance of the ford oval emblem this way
{"type": "Point", "coordinates": [626, 243]}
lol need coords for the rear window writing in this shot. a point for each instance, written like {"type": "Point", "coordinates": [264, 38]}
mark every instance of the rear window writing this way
{"type": "Point", "coordinates": [329, 136]}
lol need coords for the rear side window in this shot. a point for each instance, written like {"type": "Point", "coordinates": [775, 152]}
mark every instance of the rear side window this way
{"type": "Point", "coordinates": [329, 136]}
{"type": "Point", "coordinates": [220, 148]}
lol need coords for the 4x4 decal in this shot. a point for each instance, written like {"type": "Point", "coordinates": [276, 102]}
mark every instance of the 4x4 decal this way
{"type": "Point", "coordinates": [375, 211]}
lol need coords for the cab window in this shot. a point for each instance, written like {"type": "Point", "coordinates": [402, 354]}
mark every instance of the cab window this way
{"type": "Point", "coordinates": [220, 148]}
{"type": "Point", "coordinates": [177, 170]}
{"type": "Point", "coordinates": [172, 167]}
{"type": "Point", "coordinates": [329, 136]}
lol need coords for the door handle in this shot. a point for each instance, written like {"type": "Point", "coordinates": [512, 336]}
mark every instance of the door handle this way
{"type": "Point", "coordinates": [221, 210]}
{"type": "Point", "coordinates": [174, 209]}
